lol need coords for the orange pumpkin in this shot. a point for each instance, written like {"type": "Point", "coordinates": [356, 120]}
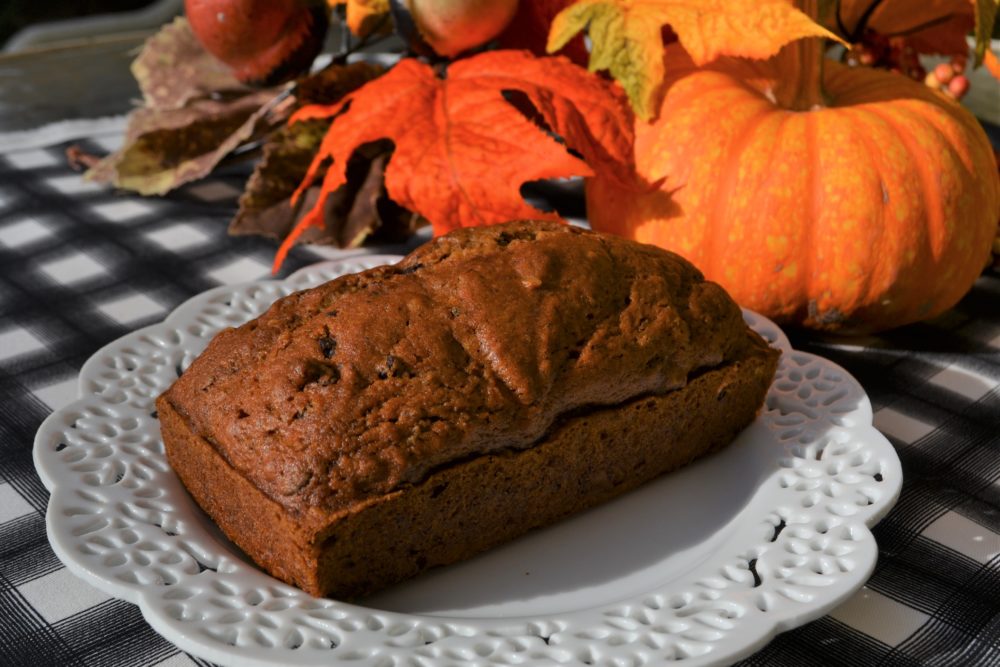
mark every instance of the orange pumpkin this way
{"type": "Point", "coordinates": [865, 203]}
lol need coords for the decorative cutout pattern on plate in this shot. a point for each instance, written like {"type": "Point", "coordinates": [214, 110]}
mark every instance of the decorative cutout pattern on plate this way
{"type": "Point", "coordinates": [120, 518]}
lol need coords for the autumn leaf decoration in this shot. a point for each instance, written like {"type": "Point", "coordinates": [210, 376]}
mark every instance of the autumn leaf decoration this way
{"type": "Point", "coordinates": [356, 212]}
{"type": "Point", "coordinates": [195, 113]}
{"type": "Point", "coordinates": [627, 36]}
{"type": "Point", "coordinates": [932, 26]}
{"type": "Point", "coordinates": [462, 149]}
{"type": "Point", "coordinates": [372, 153]}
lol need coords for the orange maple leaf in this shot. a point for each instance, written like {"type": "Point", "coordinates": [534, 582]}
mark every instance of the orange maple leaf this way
{"type": "Point", "coordinates": [462, 150]}
{"type": "Point", "coordinates": [627, 40]}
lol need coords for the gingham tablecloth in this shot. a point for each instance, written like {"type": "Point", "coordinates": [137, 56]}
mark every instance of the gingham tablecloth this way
{"type": "Point", "coordinates": [81, 265]}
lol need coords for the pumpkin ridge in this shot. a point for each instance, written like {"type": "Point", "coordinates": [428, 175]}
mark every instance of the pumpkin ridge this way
{"type": "Point", "coordinates": [939, 123]}
{"type": "Point", "coordinates": [814, 208]}
{"type": "Point", "coordinates": [872, 281]}
{"type": "Point", "coordinates": [970, 124]}
{"type": "Point", "coordinates": [931, 185]}
{"type": "Point", "coordinates": [735, 147]}
{"type": "Point", "coordinates": [933, 201]}
{"type": "Point", "coordinates": [775, 178]}
{"type": "Point", "coordinates": [846, 88]}
{"type": "Point", "coordinates": [854, 83]}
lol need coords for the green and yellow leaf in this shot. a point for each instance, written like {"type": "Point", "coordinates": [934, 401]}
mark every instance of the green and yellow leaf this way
{"type": "Point", "coordinates": [626, 35]}
{"type": "Point", "coordinates": [986, 17]}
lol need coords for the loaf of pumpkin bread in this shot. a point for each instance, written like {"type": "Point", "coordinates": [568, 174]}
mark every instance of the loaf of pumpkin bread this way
{"type": "Point", "coordinates": [494, 381]}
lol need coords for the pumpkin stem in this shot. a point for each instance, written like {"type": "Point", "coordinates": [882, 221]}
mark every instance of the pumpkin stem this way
{"type": "Point", "coordinates": [802, 63]}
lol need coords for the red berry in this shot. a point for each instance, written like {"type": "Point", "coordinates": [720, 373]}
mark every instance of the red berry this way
{"type": "Point", "coordinates": [944, 73]}
{"type": "Point", "coordinates": [958, 87]}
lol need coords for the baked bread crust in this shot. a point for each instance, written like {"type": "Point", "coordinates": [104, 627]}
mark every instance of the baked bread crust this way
{"type": "Point", "coordinates": [494, 381]}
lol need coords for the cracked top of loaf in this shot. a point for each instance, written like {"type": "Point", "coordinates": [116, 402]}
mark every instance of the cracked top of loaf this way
{"type": "Point", "coordinates": [479, 341]}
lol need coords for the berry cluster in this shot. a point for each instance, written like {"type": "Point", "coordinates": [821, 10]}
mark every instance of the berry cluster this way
{"type": "Point", "coordinates": [949, 78]}
{"type": "Point", "coordinates": [896, 55]}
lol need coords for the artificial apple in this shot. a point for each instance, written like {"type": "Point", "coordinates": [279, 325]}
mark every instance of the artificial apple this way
{"type": "Point", "coordinates": [453, 26]}
{"type": "Point", "coordinates": [264, 41]}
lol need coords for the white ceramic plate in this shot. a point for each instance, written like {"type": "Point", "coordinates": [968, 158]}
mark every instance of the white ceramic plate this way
{"type": "Point", "coordinates": [702, 566]}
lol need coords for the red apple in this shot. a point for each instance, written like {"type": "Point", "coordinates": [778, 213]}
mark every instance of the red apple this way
{"type": "Point", "coordinates": [264, 41]}
{"type": "Point", "coordinates": [453, 26]}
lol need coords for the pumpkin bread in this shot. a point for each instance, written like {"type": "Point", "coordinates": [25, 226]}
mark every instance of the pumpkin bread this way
{"type": "Point", "coordinates": [495, 380]}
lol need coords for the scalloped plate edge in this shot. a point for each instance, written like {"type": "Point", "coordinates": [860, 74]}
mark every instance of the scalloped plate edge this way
{"type": "Point", "coordinates": [750, 641]}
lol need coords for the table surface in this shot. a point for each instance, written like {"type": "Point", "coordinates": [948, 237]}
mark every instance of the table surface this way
{"type": "Point", "coordinates": [88, 80]}
{"type": "Point", "coordinates": [81, 265]}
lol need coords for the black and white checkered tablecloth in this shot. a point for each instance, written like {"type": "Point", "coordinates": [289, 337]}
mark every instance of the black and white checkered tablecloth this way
{"type": "Point", "coordinates": [81, 265]}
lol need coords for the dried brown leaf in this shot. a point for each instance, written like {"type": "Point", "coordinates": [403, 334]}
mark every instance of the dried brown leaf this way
{"type": "Point", "coordinates": [165, 148]}
{"type": "Point", "coordinates": [334, 82]}
{"type": "Point", "coordinates": [352, 213]}
{"type": "Point", "coordinates": [265, 206]}
{"type": "Point", "coordinates": [173, 68]}
{"type": "Point", "coordinates": [357, 210]}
